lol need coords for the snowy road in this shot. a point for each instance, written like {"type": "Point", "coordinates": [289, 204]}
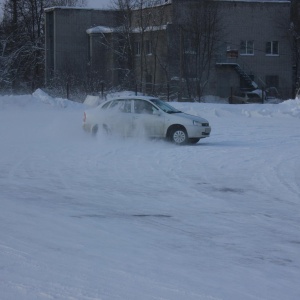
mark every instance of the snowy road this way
{"type": "Point", "coordinates": [104, 218]}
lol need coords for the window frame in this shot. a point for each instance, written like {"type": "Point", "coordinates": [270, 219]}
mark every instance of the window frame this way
{"type": "Point", "coordinates": [248, 49]}
{"type": "Point", "coordinates": [148, 47]}
{"type": "Point", "coordinates": [270, 45]}
{"type": "Point", "coordinates": [144, 107]}
{"type": "Point", "coordinates": [120, 105]}
{"type": "Point", "coordinates": [137, 48]}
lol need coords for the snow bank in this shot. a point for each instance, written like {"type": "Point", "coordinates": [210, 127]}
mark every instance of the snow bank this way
{"type": "Point", "coordinates": [213, 106]}
{"type": "Point", "coordinates": [39, 99]}
{"type": "Point", "coordinates": [92, 101]}
{"type": "Point", "coordinates": [290, 107]}
{"type": "Point", "coordinates": [287, 108]}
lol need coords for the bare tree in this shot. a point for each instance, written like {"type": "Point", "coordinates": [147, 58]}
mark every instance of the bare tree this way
{"type": "Point", "coordinates": [22, 43]}
{"type": "Point", "coordinates": [201, 28]}
{"type": "Point", "coordinates": [22, 35]}
{"type": "Point", "coordinates": [141, 25]}
{"type": "Point", "coordinates": [151, 21]}
{"type": "Point", "coordinates": [295, 33]}
{"type": "Point", "coordinates": [125, 40]}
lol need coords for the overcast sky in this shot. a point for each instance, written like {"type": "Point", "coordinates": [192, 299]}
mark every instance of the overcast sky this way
{"type": "Point", "coordinates": [98, 3]}
{"type": "Point", "coordinates": [91, 3]}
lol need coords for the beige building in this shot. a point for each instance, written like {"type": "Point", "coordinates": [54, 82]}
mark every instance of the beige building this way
{"type": "Point", "coordinates": [158, 50]}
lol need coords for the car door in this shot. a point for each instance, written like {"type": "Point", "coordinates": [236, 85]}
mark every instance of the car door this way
{"type": "Point", "coordinates": [147, 119]}
{"type": "Point", "coordinates": [119, 117]}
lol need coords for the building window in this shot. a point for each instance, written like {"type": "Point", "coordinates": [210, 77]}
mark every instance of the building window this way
{"type": "Point", "coordinates": [247, 48]}
{"type": "Point", "coordinates": [148, 47]}
{"type": "Point", "coordinates": [272, 48]}
{"type": "Point", "coordinates": [148, 83]}
{"type": "Point", "coordinates": [137, 48]}
{"type": "Point", "coordinates": [272, 81]}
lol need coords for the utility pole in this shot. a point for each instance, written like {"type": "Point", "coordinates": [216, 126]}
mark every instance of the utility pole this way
{"type": "Point", "coordinates": [180, 63]}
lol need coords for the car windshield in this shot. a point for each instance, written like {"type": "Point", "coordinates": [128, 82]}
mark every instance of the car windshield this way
{"type": "Point", "coordinates": [165, 107]}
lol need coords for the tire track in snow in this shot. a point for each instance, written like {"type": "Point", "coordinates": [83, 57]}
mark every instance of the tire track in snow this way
{"type": "Point", "coordinates": [284, 169]}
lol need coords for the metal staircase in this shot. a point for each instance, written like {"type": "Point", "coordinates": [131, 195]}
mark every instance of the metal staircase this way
{"type": "Point", "coordinates": [245, 76]}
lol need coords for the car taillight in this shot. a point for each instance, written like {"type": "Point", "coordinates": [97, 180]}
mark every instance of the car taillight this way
{"type": "Point", "coordinates": [84, 117]}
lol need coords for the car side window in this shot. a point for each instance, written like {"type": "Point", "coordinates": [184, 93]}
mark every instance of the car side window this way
{"type": "Point", "coordinates": [143, 107]}
{"type": "Point", "coordinates": [105, 106]}
{"type": "Point", "coordinates": [113, 104]}
{"type": "Point", "coordinates": [123, 105]}
{"type": "Point", "coordinates": [126, 106]}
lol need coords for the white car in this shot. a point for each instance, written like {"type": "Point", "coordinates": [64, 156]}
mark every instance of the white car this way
{"type": "Point", "coordinates": [145, 116]}
{"type": "Point", "coordinates": [246, 97]}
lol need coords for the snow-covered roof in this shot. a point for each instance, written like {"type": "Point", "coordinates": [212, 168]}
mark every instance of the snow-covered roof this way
{"type": "Point", "coordinates": [77, 8]}
{"type": "Point", "coordinates": [105, 29]}
{"type": "Point", "coordinates": [101, 29]}
{"type": "Point", "coordinates": [161, 2]}
{"type": "Point", "coordinates": [149, 29]}
{"type": "Point", "coordinates": [146, 4]}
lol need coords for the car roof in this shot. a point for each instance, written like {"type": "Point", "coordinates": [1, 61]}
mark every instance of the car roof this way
{"type": "Point", "coordinates": [148, 98]}
{"type": "Point", "coordinates": [133, 97]}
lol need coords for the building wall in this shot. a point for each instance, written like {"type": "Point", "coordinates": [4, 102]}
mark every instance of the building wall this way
{"type": "Point", "coordinates": [150, 24]}
{"type": "Point", "coordinates": [69, 47]}
{"type": "Point", "coordinates": [103, 61]}
{"type": "Point", "coordinates": [153, 16]}
{"type": "Point", "coordinates": [151, 67]}
{"type": "Point", "coordinates": [260, 22]}
{"type": "Point", "coordinates": [67, 43]}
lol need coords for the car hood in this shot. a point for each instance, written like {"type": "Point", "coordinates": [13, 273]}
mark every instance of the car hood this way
{"type": "Point", "coordinates": [191, 117]}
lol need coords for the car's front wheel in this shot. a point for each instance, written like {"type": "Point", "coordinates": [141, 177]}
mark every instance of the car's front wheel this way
{"type": "Point", "coordinates": [179, 136]}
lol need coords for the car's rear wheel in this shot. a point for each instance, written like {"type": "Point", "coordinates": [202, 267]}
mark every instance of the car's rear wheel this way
{"type": "Point", "coordinates": [94, 129]}
{"type": "Point", "coordinates": [179, 136]}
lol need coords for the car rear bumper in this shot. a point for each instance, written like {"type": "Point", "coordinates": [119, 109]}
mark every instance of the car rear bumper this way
{"type": "Point", "coordinates": [86, 127]}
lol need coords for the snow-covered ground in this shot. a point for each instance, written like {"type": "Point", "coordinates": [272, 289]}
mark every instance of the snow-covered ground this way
{"type": "Point", "coordinates": [107, 218]}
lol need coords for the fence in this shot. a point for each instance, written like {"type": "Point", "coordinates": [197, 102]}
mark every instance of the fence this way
{"type": "Point", "coordinates": [168, 92]}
